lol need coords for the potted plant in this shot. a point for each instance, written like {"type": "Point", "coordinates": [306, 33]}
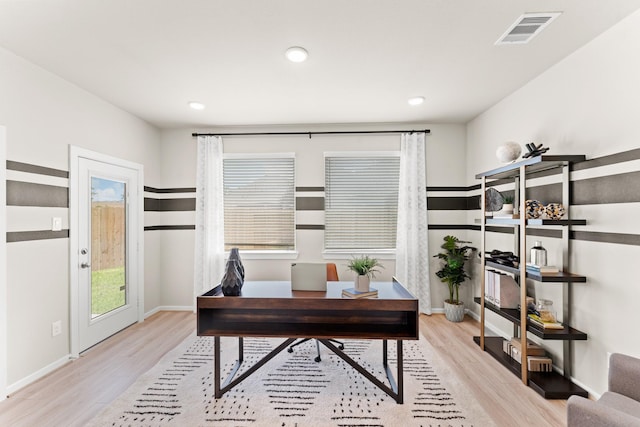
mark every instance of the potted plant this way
{"type": "Point", "coordinates": [452, 273]}
{"type": "Point", "coordinates": [507, 206]}
{"type": "Point", "coordinates": [365, 268]}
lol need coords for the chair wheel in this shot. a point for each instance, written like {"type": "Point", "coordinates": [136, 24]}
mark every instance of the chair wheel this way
{"type": "Point", "coordinates": [317, 359]}
{"type": "Point", "coordinates": [290, 350]}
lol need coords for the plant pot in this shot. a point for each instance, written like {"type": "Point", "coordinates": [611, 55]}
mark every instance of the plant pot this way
{"type": "Point", "coordinates": [362, 283]}
{"type": "Point", "coordinates": [454, 312]}
{"type": "Point", "coordinates": [507, 208]}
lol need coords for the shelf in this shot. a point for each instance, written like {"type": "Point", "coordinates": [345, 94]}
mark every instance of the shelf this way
{"type": "Point", "coordinates": [535, 222]}
{"type": "Point", "coordinates": [560, 277]}
{"type": "Point", "coordinates": [513, 314]}
{"type": "Point", "coordinates": [533, 164]}
{"type": "Point", "coordinates": [550, 385]}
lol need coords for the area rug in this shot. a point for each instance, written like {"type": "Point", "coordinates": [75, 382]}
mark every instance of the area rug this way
{"type": "Point", "coordinates": [292, 390]}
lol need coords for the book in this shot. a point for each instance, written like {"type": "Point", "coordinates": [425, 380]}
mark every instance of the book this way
{"type": "Point", "coordinates": [353, 293]}
{"type": "Point", "coordinates": [533, 349]}
{"type": "Point", "coordinates": [541, 269]}
{"type": "Point", "coordinates": [535, 319]}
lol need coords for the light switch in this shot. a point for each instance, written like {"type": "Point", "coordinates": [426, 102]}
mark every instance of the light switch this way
{"type": "Point", "coordinates": [56, 224]}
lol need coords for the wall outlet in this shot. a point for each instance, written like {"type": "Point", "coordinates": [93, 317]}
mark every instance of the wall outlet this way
{"type": "Point", "coordinates": [56, 328]}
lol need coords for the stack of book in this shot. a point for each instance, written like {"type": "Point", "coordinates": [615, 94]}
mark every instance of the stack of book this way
{"type": "Point", "coordinates": [536, 320]}
{"type": "Point", "coordinates": [353, 293]}
{"type": "Point", "coordinates": [541, 269]}
{"type": "Point", "coordinates": [537, 360]}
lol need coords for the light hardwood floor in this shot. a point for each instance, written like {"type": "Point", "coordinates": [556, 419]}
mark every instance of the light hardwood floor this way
{"type": "Point", "coordinates": [76, 392]}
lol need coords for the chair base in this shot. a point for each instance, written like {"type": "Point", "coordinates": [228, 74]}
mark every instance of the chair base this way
{"type": "Point", "coordinates": [317, 358]}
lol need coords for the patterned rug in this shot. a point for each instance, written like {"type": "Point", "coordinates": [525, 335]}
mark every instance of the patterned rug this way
{"type": "Point", "coordinates": [292, 390]}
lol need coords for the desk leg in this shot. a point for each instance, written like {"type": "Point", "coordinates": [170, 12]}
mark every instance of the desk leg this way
{"type": "Point", "coordinates": [399, 387]}
{"type": "Point", "coordinates": [394, 390]}
{"type": "Point", "coordinates": [230, 382]}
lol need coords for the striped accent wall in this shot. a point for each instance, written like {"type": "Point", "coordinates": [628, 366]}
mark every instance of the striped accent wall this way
{"type": "Point", "coordinates": [35, 194]}
{"type": "Point", "coordinates": [601, 187]}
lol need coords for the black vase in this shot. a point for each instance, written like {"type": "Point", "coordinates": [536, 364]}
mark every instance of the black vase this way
{"type": "Point", "coordinates": [234, 254]}
{"type": "Point", "coordinates": [232, 280]}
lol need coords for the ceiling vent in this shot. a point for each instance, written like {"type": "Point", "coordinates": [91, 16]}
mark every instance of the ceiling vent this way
{"type": "Point", "coordinates": [527, 27]}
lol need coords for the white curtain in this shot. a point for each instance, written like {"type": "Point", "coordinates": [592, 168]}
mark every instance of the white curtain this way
{"type": "Point", "coordinates": [412, 245]}
{"type": "Point", "coordinates": [209, 250]}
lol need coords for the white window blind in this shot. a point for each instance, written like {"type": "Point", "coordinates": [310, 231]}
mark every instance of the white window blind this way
{"type": "Point", "coordinates": [259, 203]}
{"type": "Point", "coordinates": [361, 202]}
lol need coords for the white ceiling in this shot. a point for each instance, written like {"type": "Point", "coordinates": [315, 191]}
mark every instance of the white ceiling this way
{"type": "Point", "coordinates": [150, 57]}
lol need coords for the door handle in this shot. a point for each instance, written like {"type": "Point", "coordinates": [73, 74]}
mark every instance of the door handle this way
{"type": "Point", "coordinates": [85, 265]}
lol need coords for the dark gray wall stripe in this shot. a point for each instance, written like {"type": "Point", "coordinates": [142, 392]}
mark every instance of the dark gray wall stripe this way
{"type": "Point", "coordinates": [472, 187]}
{"type": "Point", "coordinates": [29, 194]}
{"type": "Point", "coordinates": [447, 203]}
{"type": "Point", "coordinates": [169, 205]}
{"type": "Point", "coordinates": [473, 203]}
{"type": "Point", "coordinates": [621, 188]}
{"type": "Point", "coordinates": [169, 227]}
{"type": "Point", "coordinates": [23, 236]}
{"type": "Point", "coordinates": [309, 203]}
{"type": "Point", "coordinates": [170, 190]}
{"type": "Point", "coordinates": [309, 188]}
{"type": "Point", "coordinates": [591, 236]}
{"type": "Point", "coordinates": [309, 227]}
{"type": "Point", "coordinates": [611, 159]}
{"type": "Point", "coordinates": [619, 238]}
{"type": "Point", "coordinates": [41, 170]}
{"type": "Point", "coordinates": [449, 227]}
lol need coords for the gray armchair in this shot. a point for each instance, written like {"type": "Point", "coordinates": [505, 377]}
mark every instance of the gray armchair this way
{"type": "Point", "coordinates": [618, 407]}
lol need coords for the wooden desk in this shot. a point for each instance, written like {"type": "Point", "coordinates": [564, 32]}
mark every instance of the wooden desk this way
{"type": "Point", "coordinates": [271, 309]}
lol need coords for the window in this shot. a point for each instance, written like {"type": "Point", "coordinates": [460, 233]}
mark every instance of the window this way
{"type": "Point", "coordinates": [259, 202]}
{"type": "Point", "coordinates": [361, 201]}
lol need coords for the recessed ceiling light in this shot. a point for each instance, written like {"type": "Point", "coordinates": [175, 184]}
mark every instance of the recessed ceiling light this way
{"type": "Point", "coordinates": [296, 54]}
{"type": "Point", "coordinates": [197, 105]}
{"type": "Point", "coordinates": [416, 100]}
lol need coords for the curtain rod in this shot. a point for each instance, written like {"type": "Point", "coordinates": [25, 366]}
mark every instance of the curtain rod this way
{"type": "Point", "coordinates": [311, 133]}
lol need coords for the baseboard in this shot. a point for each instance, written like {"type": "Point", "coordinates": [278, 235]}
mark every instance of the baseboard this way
{"type": "Point", "coordinates": [38, 374]}
{"type": "Point", "coordinates": [168, 308]}
{"type": "Point", "coordinates": [466, 311]}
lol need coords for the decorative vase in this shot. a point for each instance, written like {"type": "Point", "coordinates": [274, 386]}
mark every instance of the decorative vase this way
{"type": "Point", "coordinates": [362, 283]}
{"type": "Point", "coordinates": [454, 312]}
{"type": "Point", "coordinates": [234, 254]}
{"type": "Point", "coordinates": [534, 209]}
{"type": "Point", "coordinates": [232, 281]}
{"type": "Point", "coordinates": [555, 210]}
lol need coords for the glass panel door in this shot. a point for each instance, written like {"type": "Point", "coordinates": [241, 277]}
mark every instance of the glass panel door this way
{"type": "Point", "coordinates": [108, 246]}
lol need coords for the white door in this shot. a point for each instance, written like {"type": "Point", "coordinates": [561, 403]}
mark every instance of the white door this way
{"type": "Point", "coordinates": [106, 244]}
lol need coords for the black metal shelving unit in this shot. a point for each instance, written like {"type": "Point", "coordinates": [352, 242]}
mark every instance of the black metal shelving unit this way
{"type": "Point", "coordinates": [551, 385]}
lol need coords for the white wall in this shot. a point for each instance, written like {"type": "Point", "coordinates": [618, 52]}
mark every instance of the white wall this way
{"type": "Point", "coordinates": [589, 103]}
{"type": "Point", "coordinates": [445, 154]}
{"type": "Point", "coordinates": [43, 114]}
{"type": "Point", "coordinates": [3, 267]}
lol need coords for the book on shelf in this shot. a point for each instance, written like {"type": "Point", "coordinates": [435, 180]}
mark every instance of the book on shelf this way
{"type": "Point", "coordinates": [541, 269]}
{"type": "Point", "coordinates": [535, 319]}
{"type": "Point", "coordinates": [353, 293]}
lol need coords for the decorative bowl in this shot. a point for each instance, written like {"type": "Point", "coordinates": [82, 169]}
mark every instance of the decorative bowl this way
{"type": "Point", "coordinates": [534, 209]}
{"type": "Point", "coordinates": [555, 210]}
